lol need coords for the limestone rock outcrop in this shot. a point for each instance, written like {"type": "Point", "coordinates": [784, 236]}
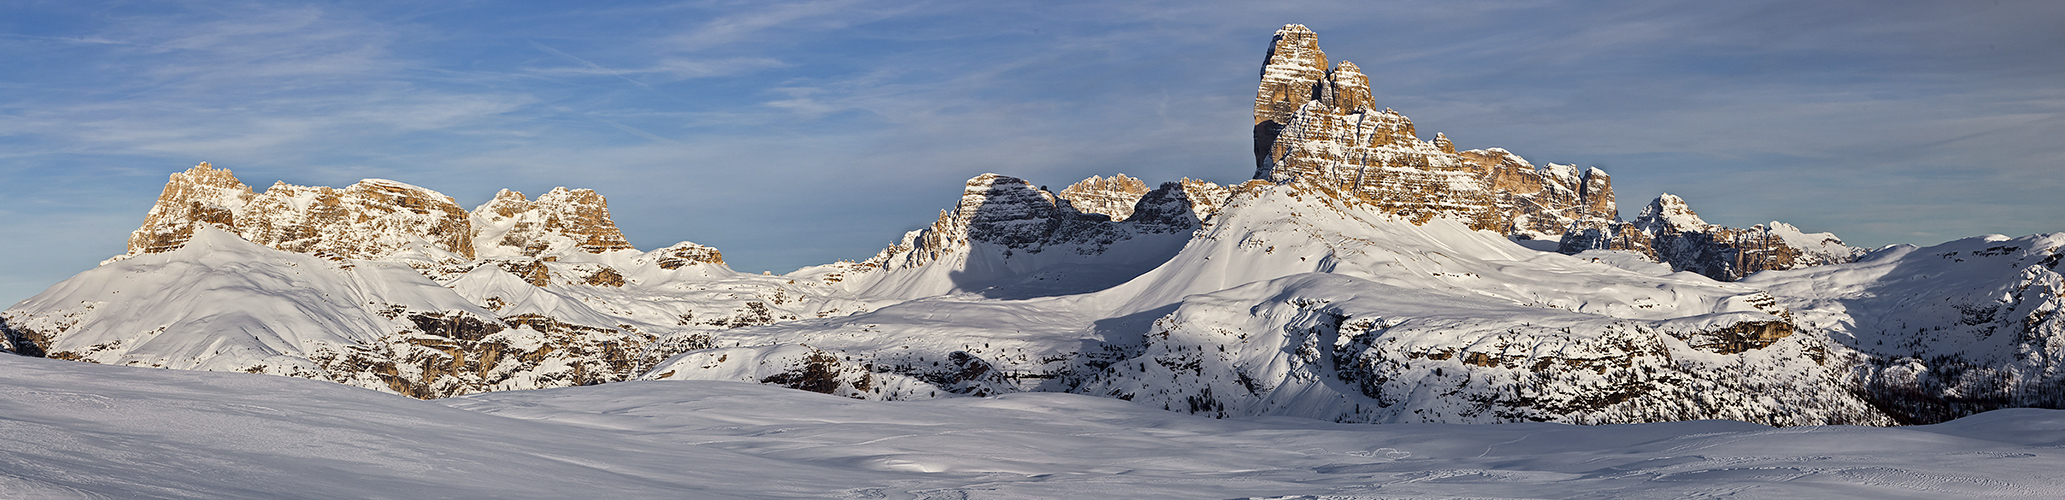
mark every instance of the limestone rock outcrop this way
{"type": "Point", "coordinates": [1205, 198]}
{"type": "Point", "coordinates": [1669, 232]}
{"type": "Point", "coordinates": [561, 220]}
{"type": "Point", "coordinates": [373, 219]}
{"type": "Point", "coordinates": [1320, 127]}
{"type": "Point", "coordinates": [1112, 196]}
{"type": "Point", "coordinates": [200, 195]}
{"type": "Point", "coordinates": [1018, 216]}
{"type": "Point", "coordinates": [379, 219]}
{"type": "Point", "coordinates": [685, 254]}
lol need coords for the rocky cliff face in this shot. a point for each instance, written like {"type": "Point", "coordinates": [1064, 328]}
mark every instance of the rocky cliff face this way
{"type": "Point", "coordinates": [200, 195]}
{"type": "Point", "coordinates": [685, 254]}
{"type": "Point", "coordinates": [1320, 127]}
{"type": "Point", "coordinates": [373, 219]}
{"type": "Point", "coordinates": [1007, 238]}
{"type": "Point", "coordinates": [1205, 198]}
{"type": "Point", "coordinates": [1669, 232]}
{"type": "Point", "coordinates": [1113, 196]}
{"type": "Point", "coordinates": [560, 221]}
{"type": "Point", "coordinates": [1015, 215]}
{"type": "Point", "coordinates": [378, 219]}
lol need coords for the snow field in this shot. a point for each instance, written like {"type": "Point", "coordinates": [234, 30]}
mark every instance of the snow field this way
{"type": "Point", "coordinates": [76, 430]}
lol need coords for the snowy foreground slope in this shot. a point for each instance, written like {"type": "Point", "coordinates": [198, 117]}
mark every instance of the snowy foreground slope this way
{"type": "Point", "coordinates": [78, 430]}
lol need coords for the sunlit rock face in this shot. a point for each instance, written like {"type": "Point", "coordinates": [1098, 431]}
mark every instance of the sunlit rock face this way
{"type": "Point", "coordinates": [1113, 196]}
{"type": "Point", "coordinates": [685, 254]}
{"type": "Point", "coordinates": [1319, 126]}
{"type": "Point", "coordinates": [201, 195]}
{"type": "Point", "coordinates": [1669, 232]}
{"type": "Point", "coordinates": [559, 221]}
{"type": "Point", "coordinates": [392, 287]}
{"type": "Point", "coordinates": [373, 219]}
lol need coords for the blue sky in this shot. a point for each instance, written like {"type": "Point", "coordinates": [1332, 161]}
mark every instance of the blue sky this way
{"type": "Point", "coordinates": [795, 133]}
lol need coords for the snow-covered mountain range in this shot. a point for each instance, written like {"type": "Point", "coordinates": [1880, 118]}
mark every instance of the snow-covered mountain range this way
{"type": "Point", "coordinates": [1363, 275]}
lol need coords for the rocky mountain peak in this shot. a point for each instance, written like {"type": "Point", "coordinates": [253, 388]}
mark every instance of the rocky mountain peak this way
{"type": "Point", "coordinates": [1015, 201]}
{"type": "Point", "coordinates": [378, 219]}
{"type": "Point", "coordinates": [561, 220]}
{"type": "Point", "coordinates": [506, 203]}
{"type": "Point", "coordinates": [1205, 197]}
{"type": "Point", "coordinates": [1114, 196]}
{"type": "Point", "coordinates": [684, 254]}
{"type": "Point", "coordinates": [1320, 128]}
{"type": "Point", "coordinates": [1175, 207]}
{"type": "Point", "coordinates": [201, 195]}
{"type": "Point", "coordinates": [1005, 210]}
{"type": "Point", "coordinates": [1668, 212]}
{"type": "Point", "coordinates": [1347, 89]}
{"type": "Point", "coordinates": [1019, 218]}
{"type": "Point", "coordinates": [1295, 64]}
{"type": "Point", "coordinates": [1669, 232]}
{"type": "Point", "coordinates": [373, 219]}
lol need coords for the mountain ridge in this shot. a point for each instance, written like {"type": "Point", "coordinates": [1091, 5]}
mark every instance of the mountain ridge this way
{"type": "Point", "coordinates": [1363, 275]}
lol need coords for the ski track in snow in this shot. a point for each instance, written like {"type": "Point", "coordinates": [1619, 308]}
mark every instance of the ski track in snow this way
{"type": "Point", "coordinates": [75, 430]}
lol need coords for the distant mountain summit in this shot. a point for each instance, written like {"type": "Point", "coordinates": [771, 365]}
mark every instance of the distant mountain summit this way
{"type": "Point", "coordinates": [1669, 232]}
{"type": "Point", "coordinates": [1319, 126]}
{"type": "Point", "coordinates": [374, 219]}
{"type": "Point", "coordinates": [1363, 275]}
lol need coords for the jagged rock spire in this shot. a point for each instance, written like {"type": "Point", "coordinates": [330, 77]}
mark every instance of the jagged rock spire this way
{"type": "Point", "coordinates": [1347, 89]}
{"type": "Point", "coordinates": [1290, 75]}
{"type": "Point", "coordinates": [201, 195]}
{"type": "Point", "coordinates": [372, 219]}
{"type": "Point", "coordinates": [379, 219]}
{"type": "Point", "coordinates": [1321, 127]}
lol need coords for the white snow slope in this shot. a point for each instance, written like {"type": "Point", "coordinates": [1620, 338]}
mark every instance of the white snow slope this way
{"type": "Point", "coordinates": [1303, 304]}
{"type": "Point", "coordinates": [1965, 326]}
{"type": "Point", "coordinates": [74, 430]}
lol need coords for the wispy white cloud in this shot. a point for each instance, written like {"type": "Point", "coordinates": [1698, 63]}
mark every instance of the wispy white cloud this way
{"type": "Point", "coordinates": [866, 115]}
{"type": "Point", "coordinates": [759, 18]}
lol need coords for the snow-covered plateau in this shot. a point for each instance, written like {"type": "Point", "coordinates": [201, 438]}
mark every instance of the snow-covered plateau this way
{"type": "Point", "coordinates": [76, 430]}
{"type": "Point", "coordinates": [1047, 344]}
